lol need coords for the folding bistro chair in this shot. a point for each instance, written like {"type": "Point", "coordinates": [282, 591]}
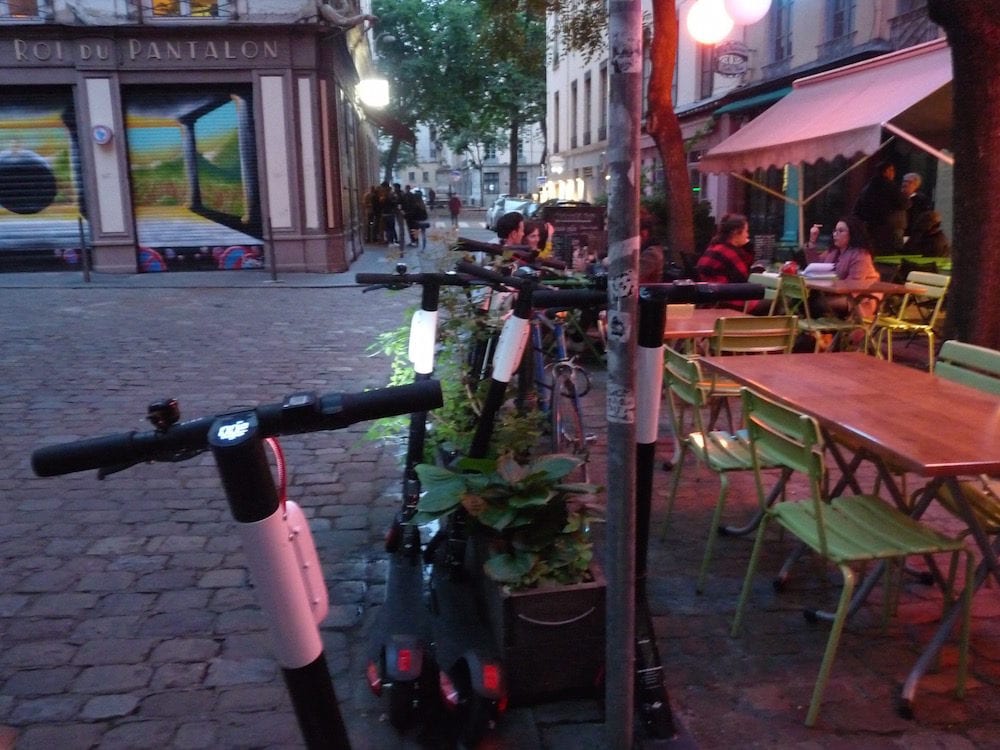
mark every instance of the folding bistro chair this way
{"type": "Point", "coordinates": [793, 298]}
{"type": "Point", "coordinates": [721, 452]}
{"type": "Point", "coordinates": [751, 334]}
{"type": "Point", "coordinates": [770, 283]}
{"type": "Point", "coordinates": [917, 316]}
{"type": "Point", "coordinates": [843, 530]}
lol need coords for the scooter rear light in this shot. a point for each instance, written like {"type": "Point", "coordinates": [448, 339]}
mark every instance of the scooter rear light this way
{"type": "Point", "coordinates": [502, 704]}
{"type": "Point", "coordinates": [449, 693]}
{"type": "Point", "coordinates": [374, 678]}
{"type": "Point", "coordinates": [404, 660]}
{"type": "Point", "coordinates": [491, 677]}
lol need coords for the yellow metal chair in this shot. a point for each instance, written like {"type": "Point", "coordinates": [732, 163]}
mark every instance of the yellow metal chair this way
{"type": "Point", "coordinates": [843, 530]}
{"type": "Point", "coordinates": [917, 316]}
{"type": "Point", "coordinates": [719, 451]}
{"type": "Point", "coordinates": [793, 297]}
{"type": "Point", "coordinates": [770, 283]}
{"type": "Point", "coordinates": [752, 334]}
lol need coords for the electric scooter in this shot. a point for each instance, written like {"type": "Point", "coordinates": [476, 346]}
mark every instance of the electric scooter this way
{"type": "Point", "coordinates": [401, 664]}
{"type": "Point", "coordinates": [652, 701]}
{"type": "Point", "coordinates": [280, 551]}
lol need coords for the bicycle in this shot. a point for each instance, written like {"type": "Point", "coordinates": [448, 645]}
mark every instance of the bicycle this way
{"type": "Point", "coordinates": [279, 548]}
{"type": "Point", "coordinates": [560, 383]}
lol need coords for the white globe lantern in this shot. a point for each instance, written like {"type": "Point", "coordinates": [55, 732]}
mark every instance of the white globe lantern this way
{"type": "Point", "coordinates": [708, 22]}
{"type": "Point", "coordinates": [746, 12]}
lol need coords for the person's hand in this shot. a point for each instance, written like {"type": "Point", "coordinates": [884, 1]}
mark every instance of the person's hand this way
{"type": "Point", "coordinates": [814, 233]}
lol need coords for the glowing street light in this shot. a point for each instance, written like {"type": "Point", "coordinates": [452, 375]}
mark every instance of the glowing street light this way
{"type": "Point", "coordinates": [708, 22]}
{"type": "Point", "coordinates": [373, 92]}
{"type": "Point", "coordinates": [746, 12]}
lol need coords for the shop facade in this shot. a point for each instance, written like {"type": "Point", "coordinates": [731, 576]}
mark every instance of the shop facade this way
{"type": "Point", "coordinates": [182, 147]}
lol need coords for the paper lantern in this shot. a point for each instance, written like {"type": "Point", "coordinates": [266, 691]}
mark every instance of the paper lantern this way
{"type": "Point", "coordinates": [708, 22]}
{"type": "Point", "coordinates": [746, 12]}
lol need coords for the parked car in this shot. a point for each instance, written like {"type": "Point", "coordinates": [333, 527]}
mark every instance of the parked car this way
{"type": "Point", "coordinates": [507, 203]}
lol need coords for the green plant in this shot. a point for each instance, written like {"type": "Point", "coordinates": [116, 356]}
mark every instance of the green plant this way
{"type": "Point", "coordinates": [537, 525]}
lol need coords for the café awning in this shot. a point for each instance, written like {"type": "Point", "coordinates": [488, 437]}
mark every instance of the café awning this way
{"type": "Point", "coordinates": [843, 112]}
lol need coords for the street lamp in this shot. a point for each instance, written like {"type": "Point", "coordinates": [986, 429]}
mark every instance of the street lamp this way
{"type": "Point", "coordinates": [556, 165]}
{"type": "Point", "coordinates": [708, 22]}
{"type": "Point", "coordinates": [746, 12]}
{"type": "Point", "coordinates": [373, 91]}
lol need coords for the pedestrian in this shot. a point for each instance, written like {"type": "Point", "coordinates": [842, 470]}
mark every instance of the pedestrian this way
{"type": "Point", "coordinates": [882, 208]}
{"type": "Point", "coordinates": [399, 216]}
{"type": "Point", "coordinates": [431, 199]}
{"type": "Point", "coordinates": [387, 207]}
{"type": "Point", "coordinates": [417, 219]}
{"type": "Point", "coordinates": [454, 208]}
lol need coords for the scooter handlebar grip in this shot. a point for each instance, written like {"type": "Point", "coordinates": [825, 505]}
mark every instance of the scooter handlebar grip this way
{"type": "Point", "coordinates": [701, 292]}
{"type": "Point", "coordinates": [92, 453]}
{"type": "Point", "coordinates": [464, 266]}
{"type": "Point", "coordinates": [544, 298]}
{"type": "Point", "coordinates": [422, 395]}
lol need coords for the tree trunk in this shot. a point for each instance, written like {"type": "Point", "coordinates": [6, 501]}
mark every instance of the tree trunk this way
{"type": "Point", "coordinates": [665, 129]}
{"type": "Point", "coordinates": [973, 29]}
{"type": "Point", "coordinates": [390, 159]}
{"type": "Point", "coordinates": [515, 139]}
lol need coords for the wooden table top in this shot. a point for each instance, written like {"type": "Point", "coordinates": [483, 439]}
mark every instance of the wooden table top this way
{"type": "Point", "coordinates": [699, 324]}
{"type": "Point", "coordinates": [922, 423]}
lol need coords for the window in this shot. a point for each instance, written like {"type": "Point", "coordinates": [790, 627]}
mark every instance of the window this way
{"type": "Point", "coordinates": [781, 30]}
{"type": "Point", "coordinates": [491, 182]}
{"type": "Point", "coordinates": [647, 67]}
{"type": "Point", "coordinates": [189, 8]}
{"type": "Point", "coordinates": [706, 70]}
{"type": "Point", "coordinates": [602, 107]}
{"type": "Point", "coordinates": [489, 150]}
{"type": "Point", "coordinates": [424, 177]}
{"type": "Point", "coordinates": [411, 177]}
{"type": "Point", "coordinates": [587, 108]}
{"type": "Point", "coordinates": [574, 114]}
{"type": "Point", "coordinates": [841, 18]}
{"type": "Point", "coordinates": [556, 42]}
{"type": "Point", "coordinates": [27, 9]}
{"type": "Point", "coordinates": [522, 182]}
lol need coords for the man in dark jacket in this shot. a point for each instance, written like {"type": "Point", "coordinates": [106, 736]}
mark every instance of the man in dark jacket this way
{"type": "Point", "coordinates": [882, 207]}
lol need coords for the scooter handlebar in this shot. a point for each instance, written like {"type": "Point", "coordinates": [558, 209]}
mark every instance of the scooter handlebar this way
{"type": "Point", "coordinates": [298, 413]}
{"type": "Point", "coordinates": [409, 279]}
{"type": "Point", "coordinates": [700, 292]}
{"type": "Point", "coordinates": [544, 298]}
{"type": "Point", "coordinates": [473, 269]}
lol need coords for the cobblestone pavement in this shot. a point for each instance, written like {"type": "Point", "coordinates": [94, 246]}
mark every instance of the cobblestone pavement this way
{"type": "Point", "coordinates": [127, 619]}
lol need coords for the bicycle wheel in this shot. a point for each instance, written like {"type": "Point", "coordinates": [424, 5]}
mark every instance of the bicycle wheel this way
{"type": "Point", "coordinates": [567, 425]}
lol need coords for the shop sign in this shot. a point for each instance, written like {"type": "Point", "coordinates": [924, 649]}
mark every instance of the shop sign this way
{"type": "Point", "coordinates": [732, 58]}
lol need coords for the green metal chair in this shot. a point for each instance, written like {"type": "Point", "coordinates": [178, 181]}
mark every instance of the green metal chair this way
{"type": "Point", "coordinates": [750, 334]}
{"type": "Point", "coordinates": [793, 298]}
{"type": "Point", "coordinates": [844, 530]}
{"type": "Point", "coordinates": [977, 367]}
{"type": "Point", "coordinates": [719, 451]}
{"type": "Point", "coordinates": [917, 316]}
{"type": "Point", "coordinates": [770, 283]}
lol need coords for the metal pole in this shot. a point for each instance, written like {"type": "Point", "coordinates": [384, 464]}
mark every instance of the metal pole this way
{"type": "Point", "coordinates": [84, 252]}
{"type": "Point", "coordinates": [624, 114]}
{"type": "Point", "coordinates": [272, 260]}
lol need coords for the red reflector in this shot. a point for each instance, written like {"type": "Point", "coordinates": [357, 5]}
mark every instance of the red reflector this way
{"type": "Point", "coordinates": [491, 677]}
{"type": "Point", "coordinates": [404, 659]}
{"type": "Point", "coordinates": [374, 680]}
{"type": "Point", "coordinates": [502, 703]}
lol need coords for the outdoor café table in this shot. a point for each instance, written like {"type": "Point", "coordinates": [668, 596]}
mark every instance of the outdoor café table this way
{"type": "Point", "coordinates": [898, 418]}
{"type": "Point", "coordinates": [858, 290]}
{"type": "Point", "coordinates": [698, 324]}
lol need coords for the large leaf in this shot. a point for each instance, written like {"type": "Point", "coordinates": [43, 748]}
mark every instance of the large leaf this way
{"type": "Point", "coordinates": [510, 567]}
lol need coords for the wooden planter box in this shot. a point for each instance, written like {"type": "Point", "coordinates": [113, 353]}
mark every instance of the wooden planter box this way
{"type": "Point", "coordinates": [551, 639]}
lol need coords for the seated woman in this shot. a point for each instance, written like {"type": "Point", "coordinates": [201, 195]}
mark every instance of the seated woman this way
{"type": "Point", "coordinates": [851, 256]}
{"type": "Point", "coordinates": [729, 255]}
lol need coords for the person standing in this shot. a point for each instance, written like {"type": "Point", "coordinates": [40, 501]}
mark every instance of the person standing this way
{"type": "Point", "coordinates": [387, 206]}
{"type": "Point", "coordinates": [882, 208]}
{"type": "Point", "coordinates": [454, 208]}
{"type": "Point", "coordinates": [917, 204]}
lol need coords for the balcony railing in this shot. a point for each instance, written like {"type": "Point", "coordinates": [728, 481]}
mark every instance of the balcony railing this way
{"type": "Point", "coordinates": [25, 10]}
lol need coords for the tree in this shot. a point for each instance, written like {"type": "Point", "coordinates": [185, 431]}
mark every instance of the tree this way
{"type": "Point", "coordinates": [583, 28]}
{"type": "Point", "coordinates": [973, 29]}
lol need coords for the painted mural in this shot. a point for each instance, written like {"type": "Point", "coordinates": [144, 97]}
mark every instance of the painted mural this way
{"type": "Point", "coordinates": [42, 216]}
{"type": "Point", "coordinates": [192, 165]}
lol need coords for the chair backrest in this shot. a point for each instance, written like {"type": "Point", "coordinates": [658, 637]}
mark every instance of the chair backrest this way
{"type": "Point", "coordinates": [932, 289]}
{"type": "Point", "coordinates": [770, 283]}
{"type": "Point", "coordinates": [783, 436]}
{"type": "Point", "coordinates": [975, 366]}
{"type": "Point", "coordinates": [793, 296]}
{"type": "Point", "coordinates": [685, 388]}
{"type": "Point", "coordinates": [753, 334]}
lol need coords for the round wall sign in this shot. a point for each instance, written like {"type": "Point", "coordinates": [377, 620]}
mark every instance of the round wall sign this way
{"type": "Point", "coordinates": [102, 135]}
